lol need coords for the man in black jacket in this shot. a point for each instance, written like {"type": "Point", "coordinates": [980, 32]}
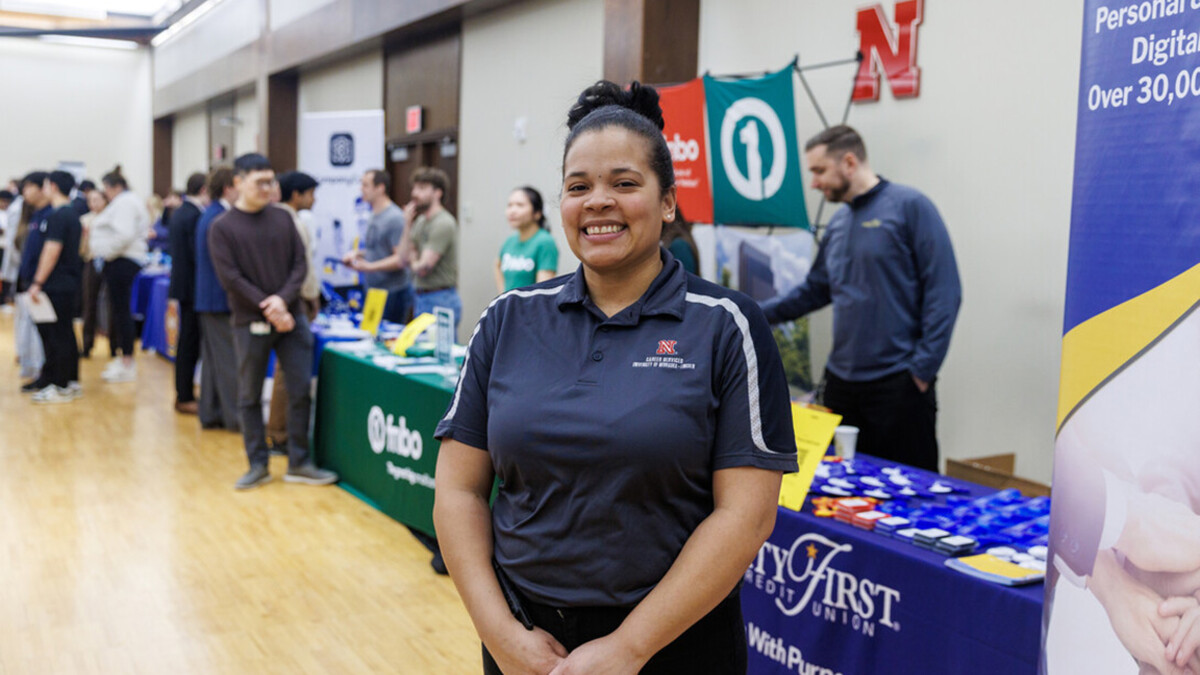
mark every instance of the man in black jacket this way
{"type": "Point", "coordinates": [182, 242]}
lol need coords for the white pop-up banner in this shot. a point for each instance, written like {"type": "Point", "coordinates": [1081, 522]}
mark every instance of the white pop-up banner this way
{"type": "Point", "coordinates": [336, 148]}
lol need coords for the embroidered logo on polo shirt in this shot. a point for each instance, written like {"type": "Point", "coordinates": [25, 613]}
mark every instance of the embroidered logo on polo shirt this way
{"type": "Point", "coordinates": [874, 222]}
{"type": "Point", "coordinates": [666, 356]}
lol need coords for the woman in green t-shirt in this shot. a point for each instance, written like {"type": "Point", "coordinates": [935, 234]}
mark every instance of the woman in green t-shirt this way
{"type": "Point", "coordinates": [530, 255]}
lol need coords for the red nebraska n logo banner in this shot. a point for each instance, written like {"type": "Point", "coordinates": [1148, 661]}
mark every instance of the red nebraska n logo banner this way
{"type": "Point", "coordinates": [892, 50]}
{"type": "Point", "coordinates": [667, 346]}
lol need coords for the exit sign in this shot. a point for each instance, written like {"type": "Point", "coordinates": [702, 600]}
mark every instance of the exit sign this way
{"type": "Point", "coordinates": [413, 119]}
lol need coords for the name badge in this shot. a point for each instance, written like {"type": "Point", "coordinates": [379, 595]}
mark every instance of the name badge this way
{"type": "Point", "coordinates": [260, 328]}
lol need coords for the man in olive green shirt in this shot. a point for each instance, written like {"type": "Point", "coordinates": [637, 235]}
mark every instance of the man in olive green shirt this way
{"type": "Point", "coordinates": [434, 255]}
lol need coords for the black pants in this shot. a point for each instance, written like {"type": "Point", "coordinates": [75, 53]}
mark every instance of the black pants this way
{"type": "Point", "coordinates": [715, 645]}
{"type": "Point", "coordinates": [118, 276]}
{"type": "Point", "coordinates": [294, 354]}
{"type": "Point", "coordinates": [5, 291]}
{"type": "Point", "coordinates": [93, 281]}
{"type": "Point", "coordinates": [58, 340]}
{"type": "Point", "coordinates": [895, 420]}
{"type": "Point", "coordinates": [187, 353]}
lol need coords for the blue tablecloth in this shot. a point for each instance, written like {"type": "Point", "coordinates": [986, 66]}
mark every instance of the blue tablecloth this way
{"type": "Point", "coordinates": [826, 595]}
{"type": "Point", "coordinates": [160, 330]}
{"type": "Point", "coordinates": [143, 285]}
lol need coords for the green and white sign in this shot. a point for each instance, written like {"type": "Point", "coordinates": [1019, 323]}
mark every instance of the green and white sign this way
{"type": "Point", "coordinates": [755, 156]}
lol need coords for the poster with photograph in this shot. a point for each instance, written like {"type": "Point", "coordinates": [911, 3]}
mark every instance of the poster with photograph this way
{"type": "Point", "coordinates": [763, 266]}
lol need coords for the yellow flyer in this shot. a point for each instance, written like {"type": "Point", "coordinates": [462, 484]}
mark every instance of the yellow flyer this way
{"type": "Point", "coordinates": [814, 430]}
{"type": "Point", "coordinates": [373, 310]}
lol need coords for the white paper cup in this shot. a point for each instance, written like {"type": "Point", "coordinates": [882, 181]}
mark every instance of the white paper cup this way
{"type": "Point", "coordinates": [845, 438]}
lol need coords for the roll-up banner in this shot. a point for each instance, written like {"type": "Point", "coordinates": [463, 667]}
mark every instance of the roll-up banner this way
{"type": "Point", "coordinates": [1123, 592]}
{"type": "Point", "coordinates": [336, 148]}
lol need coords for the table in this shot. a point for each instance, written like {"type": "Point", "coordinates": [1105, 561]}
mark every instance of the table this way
{"type": "Point", "coordinates": [143, 285]}
{"type": "Point", "coordinates": [160, 314]}
{"type": "Point", "coordinates": [375, 428]}
{"type": "Point", "coordinates": [824, 594]}
{"type": "Point", "coordinates": [160, 331]}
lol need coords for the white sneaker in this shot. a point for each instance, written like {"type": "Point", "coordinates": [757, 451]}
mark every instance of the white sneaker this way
{"type": "Point", "coordinates": [113, 366]}
{"type": "Point", "coordinates": [53, 394]}
{"type": "Point", "coordinates": [121, 373]}
{"type": "Point", "coordinates": [74, 389]}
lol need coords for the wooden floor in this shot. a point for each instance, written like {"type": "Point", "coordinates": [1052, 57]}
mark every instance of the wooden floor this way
{"type": "Point", "coordinates": [125, 549]}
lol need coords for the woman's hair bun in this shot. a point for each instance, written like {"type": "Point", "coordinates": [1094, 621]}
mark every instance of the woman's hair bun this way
{"type": "Point", "coordinates": [638, 98]}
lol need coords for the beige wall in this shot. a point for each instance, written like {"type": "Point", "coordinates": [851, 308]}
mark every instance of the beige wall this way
{"type": "Point", "coordinates": [70, 103]}
{"type": "Point", "coordinates": [991, 141]}
{"type": "Point", "coordinates": [245, 135]}
{"type": "Point", "coordinates": [514, 67]}
{"type": "Point", "coordinates": [284, 12]}
{"type": "Point", "coordinates": [229, 26]}
{"type": "Point", "coordinates": [189, 145]}
{"type": "Point", "coordinates": [355, 83]}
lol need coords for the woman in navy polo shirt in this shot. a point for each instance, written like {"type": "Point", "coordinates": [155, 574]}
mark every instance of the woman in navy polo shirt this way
{"type": "Point", "coordinates": [638, 420]}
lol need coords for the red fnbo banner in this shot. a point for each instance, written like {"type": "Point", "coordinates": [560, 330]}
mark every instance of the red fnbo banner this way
{"type": "Point", "coordinates": [683, 112]}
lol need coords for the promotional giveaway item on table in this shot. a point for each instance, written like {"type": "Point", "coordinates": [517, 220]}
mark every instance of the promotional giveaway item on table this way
{"type": "Point", "coordinates": [992, 569]}
{"type": "Point", "coordinates": [408, 337]}
{"type": "Point", "coordinates": [932, 506]}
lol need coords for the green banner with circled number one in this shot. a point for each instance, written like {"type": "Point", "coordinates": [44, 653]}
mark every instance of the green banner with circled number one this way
{"type": "Point", "coordinates": [756, 176]}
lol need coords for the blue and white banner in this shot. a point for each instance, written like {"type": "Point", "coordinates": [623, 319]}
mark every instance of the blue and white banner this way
{"type": "Point", "coordinates": [1123, 595]}
{"type": "Point", "coordinates": [336, 148]}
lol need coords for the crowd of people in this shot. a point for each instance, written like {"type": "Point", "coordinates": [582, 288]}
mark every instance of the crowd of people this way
{"type": "Point", "coordinates": [242, 283]}
{"type": "Point", "coordinates": [239, 294]}
{"type": "Point", "coordinates": [61, 244]}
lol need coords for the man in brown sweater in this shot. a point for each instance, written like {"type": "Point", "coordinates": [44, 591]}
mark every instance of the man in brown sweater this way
{"type": "Point", "coordinates": [260, 261]}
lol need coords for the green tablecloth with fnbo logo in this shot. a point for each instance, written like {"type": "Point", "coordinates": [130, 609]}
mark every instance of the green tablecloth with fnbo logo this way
{"type": "Point", "coordinates": [374, 426]}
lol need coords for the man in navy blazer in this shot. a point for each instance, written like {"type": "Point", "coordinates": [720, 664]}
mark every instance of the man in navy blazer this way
{"type": "Point", "coordinates": [182, 247]}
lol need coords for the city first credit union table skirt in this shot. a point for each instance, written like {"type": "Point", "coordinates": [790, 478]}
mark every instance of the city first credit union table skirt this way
{"type": "Point", "coordinates": [825, 598]}
{"type": "Point", "coordinates": [374, 427]}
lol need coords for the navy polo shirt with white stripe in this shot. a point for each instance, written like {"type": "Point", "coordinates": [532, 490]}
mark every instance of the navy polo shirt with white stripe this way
{"type": "Point", "coordinates": [605, 431]}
